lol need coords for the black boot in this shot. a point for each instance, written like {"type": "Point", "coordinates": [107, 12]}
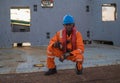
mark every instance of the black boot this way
{"type": "Point", "coordinates": [51, 71]}
{"type": "Point", "coordinates": [78, 72]}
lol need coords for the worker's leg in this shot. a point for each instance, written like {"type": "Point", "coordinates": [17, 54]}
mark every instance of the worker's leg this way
{"type": "Point", "coordinates": [51, 54]}
{"type": "Point", "coordinates": [79, 61]}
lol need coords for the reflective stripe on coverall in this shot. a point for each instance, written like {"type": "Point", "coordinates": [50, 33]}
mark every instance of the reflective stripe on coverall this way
{"type": "Point", "coordinates": [77, 54]}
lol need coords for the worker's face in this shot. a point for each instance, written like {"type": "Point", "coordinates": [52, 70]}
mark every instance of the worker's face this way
{"type": "Point", "coordinates": [69, 27]}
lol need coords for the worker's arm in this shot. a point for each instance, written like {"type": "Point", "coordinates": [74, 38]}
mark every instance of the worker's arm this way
{"type": "Point", "coordinates": [79, 45]}
{"type": "Point", "coordinates": [54, 42]}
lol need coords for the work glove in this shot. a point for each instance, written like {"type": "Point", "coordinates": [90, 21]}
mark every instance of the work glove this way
{"type": "Point", "coordinates": [57, 45]}
{"type": "Point", "coordinates": [64, 56]}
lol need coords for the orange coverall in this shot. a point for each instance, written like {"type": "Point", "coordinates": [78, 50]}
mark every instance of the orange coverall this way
{"type": "Point", "coordinates": [77, 54]}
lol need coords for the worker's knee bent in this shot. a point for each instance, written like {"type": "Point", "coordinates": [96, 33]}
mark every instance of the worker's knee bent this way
{"type": "Point", "coordinates": [79, 58]}
{"type": "Point", "coordinates": [54, 52]}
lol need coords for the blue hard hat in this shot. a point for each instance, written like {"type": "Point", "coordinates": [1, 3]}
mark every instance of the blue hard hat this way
{"type": "Point", "coordinates": [68, 19]}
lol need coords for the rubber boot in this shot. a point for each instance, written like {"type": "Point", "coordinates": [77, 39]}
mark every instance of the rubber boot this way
{"type": "Point", "coordinates": [51, 71]}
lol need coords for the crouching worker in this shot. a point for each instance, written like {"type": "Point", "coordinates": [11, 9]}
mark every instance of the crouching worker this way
{"type": "Point", "coordinates": [67, 44]}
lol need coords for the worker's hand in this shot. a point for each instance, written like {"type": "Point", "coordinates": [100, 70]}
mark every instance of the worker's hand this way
{"type": "Point", "coordinates": [57, 45]}
{"type": "Point", "coordinates": [64, 56]}
{"type": "Point", "coordinates": [61, 59]}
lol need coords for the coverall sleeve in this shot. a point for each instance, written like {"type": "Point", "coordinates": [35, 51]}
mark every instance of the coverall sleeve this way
{"type": "Point", "coordinates": [53, 40]}
{"type": "Point", "coordinates": [79, 45]}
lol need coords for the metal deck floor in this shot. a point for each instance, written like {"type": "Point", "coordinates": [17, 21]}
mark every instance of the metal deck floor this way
{"type": "Point", "coordinates": [22, 60]}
